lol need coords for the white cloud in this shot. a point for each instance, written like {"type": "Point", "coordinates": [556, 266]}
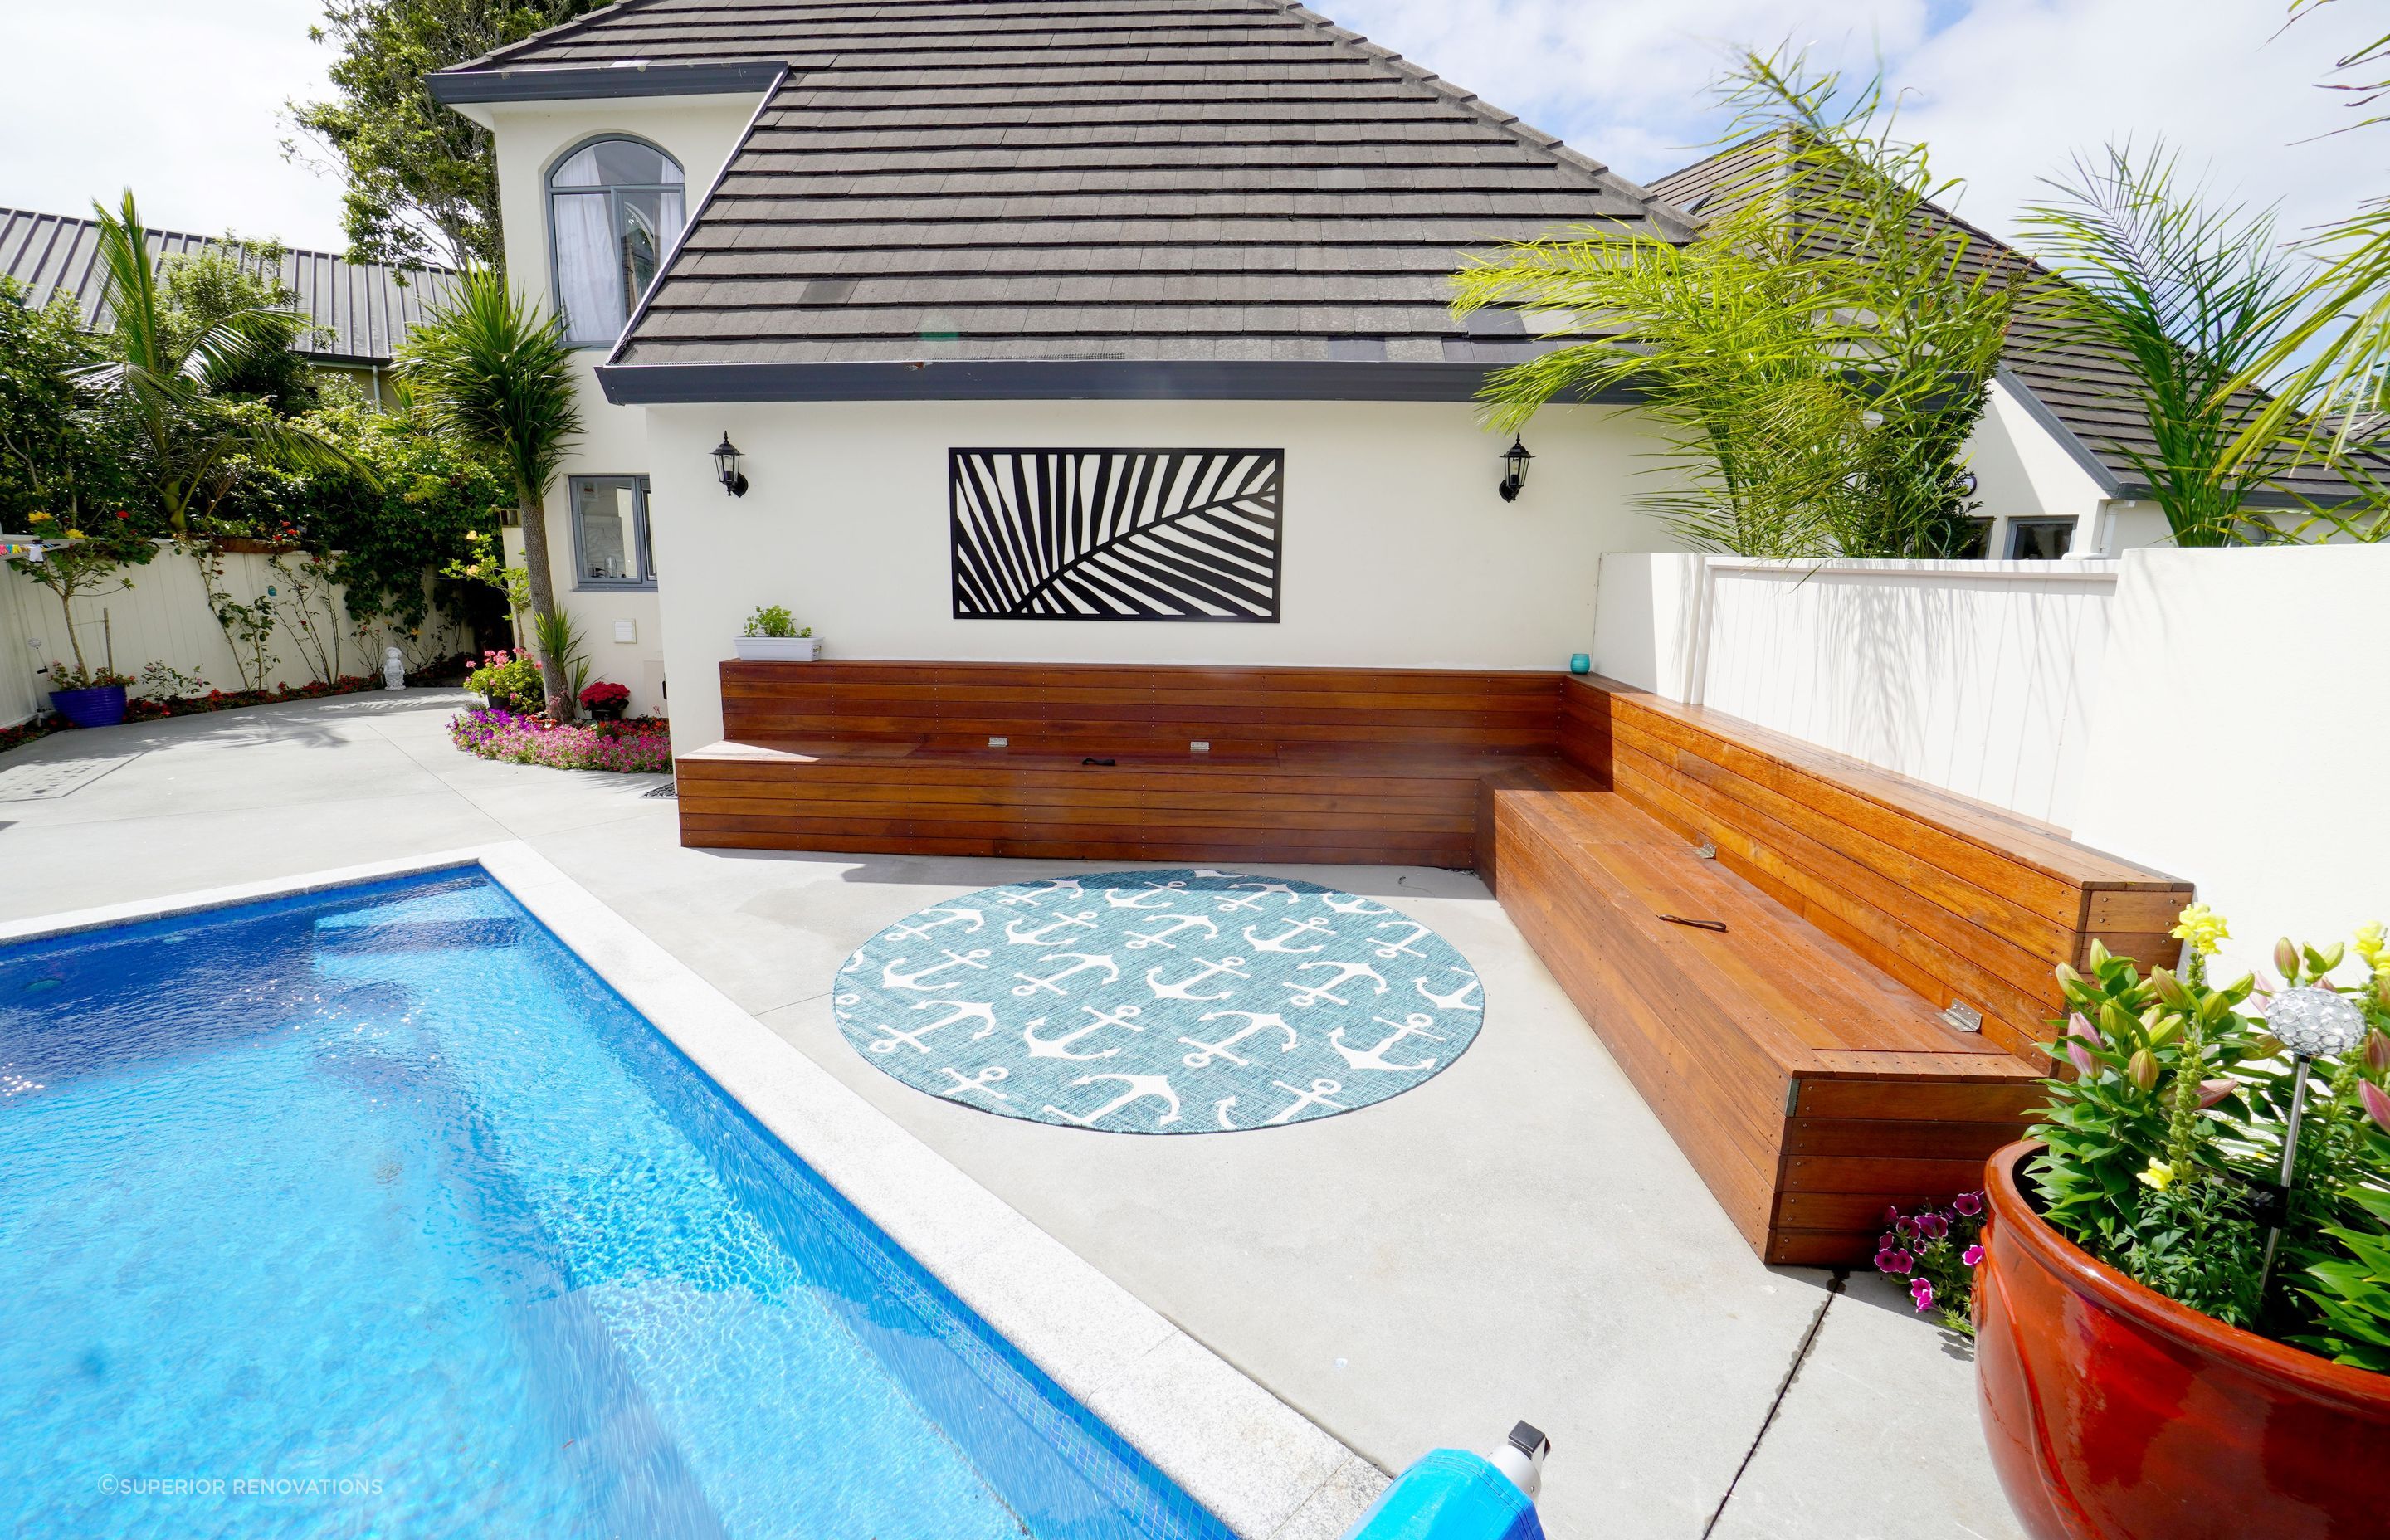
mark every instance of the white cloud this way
{"type": "Point", "coordinates": [179, 99]}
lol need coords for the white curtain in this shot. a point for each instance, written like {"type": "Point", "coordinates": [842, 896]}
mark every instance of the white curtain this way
{"type": "Point", "coordinates": [587, 287]}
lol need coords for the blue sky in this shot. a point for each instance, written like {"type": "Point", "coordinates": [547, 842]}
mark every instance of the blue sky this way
{"type": "Point", "coordinates": [182, 98]}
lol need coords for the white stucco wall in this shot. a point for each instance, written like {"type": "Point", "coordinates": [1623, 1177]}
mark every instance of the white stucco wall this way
{"type": "Point", "coordinates": [1397, 552]}
{"type": "Point", "coordinates": [700, 132]}
{"type": "Point", "coordinates": [2021, 472]}
{"type": "Point", "coordinates": [2240, 740]}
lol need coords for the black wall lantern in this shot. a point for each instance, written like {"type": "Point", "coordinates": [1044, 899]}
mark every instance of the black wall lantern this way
{"type": "Point", "coordinates": [726, 465]}
{"type": "Point", "coordinates": [1514, 465]}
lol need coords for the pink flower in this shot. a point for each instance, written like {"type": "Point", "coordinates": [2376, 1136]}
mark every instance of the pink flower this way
{"type": "Point", "coordinates": [2213, 1091]}
{"type": "Point", "coordinates": [2082, 1058]}
{"type": "Point", "coordinates": [2079, 1025]}
{"type": "Point", "coordinates": [1893, 1261]}
{"type": "Point", "coordinates": [1933, 1226]}
{"type": "Point", "coordinates": [1968, 1203]}
{"type": "Point", "coordinates": [1892, 1216]}
{"type": "Point", "coordinates": [1973, 1256]}
{"type": "Point", "coordinates": [2377, 1103]}
{"type": "Point", "coordinates": [1922, 1292]}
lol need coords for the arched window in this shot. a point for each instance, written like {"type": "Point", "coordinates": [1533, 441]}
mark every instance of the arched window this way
{"type": "Point", "coordinates": [614, 208]}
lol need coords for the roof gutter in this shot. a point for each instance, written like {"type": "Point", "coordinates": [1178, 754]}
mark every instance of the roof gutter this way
{"type": "Point", "coordinates": [1046, 379]}
{"type": "Point", "coordinates": [634, 78]}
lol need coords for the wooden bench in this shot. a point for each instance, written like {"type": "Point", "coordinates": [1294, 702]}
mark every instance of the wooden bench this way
{"type": "Point", "coordinates": [1347, 765]}
{"type": "Point", "coordinates": [1801, 1057]}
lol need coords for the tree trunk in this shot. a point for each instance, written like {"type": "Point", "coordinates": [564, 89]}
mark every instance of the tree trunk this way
{"type": "Point", "coordinates": [532, 514]}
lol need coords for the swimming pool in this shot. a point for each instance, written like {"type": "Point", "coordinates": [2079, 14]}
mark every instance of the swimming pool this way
{"type": "Point", "coordinates": [378, 1212]}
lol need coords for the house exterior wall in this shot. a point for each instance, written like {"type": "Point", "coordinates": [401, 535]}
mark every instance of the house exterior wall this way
{"type": "Point", "coordinates": [700, 132]}
{"type": "Point", "coordinates": [2022, 471]}
{"type": "Point", "coordinates": [1396, 550]}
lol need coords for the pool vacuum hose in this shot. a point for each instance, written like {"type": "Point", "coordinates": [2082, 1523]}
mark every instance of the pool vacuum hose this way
{"type": "Point", "coordinates": [1453, 1495]}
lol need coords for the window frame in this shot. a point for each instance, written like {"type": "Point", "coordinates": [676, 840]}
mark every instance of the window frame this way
{"type": "Point", "coordinates": [614, 192]}
{"type": "Point", "coordinates": [644, 541]}
{"type": "Point", "coordinates": [2018, 527]}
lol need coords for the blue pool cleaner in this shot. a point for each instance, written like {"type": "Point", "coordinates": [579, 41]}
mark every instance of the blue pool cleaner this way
{"type": "Point", "coordinates": [1453, 1495]}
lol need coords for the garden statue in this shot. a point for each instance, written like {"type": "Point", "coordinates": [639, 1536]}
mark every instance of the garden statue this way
{"type": "Point", "coordinates": [393, 669]}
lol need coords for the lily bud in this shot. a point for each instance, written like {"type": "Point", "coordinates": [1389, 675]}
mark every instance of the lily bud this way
{"type": "Point", "coordinates": [2099, 954]}
{"type": "Point", "coordinates": [2143, 1069]}
{"type": "Point", "coordinates": [2081, 1059]}
{"type": "Point", "coordinates": [2377, 1052]}
{"type": "Point", "coordinates": [2286, 958]}
{"type": "Point", "coordinates": [2169, 988]}
{"type": "Point", "coordinates": [2068, 978]}
{"type": "Point", "coordinates": [2163, 1031]}
{"type": "Point", "coordinates": [2214, 1008]}
{"type": "Point", "coordinates": [2213, 1091]}
{"type": "Point", "coordinates": [2078, 1025]}
{"type": "Point", "coordinates": [2377, 1103]}
{"type": "Point", "coordinates": [2117, 1022]}
{"type": "Point", "coordinates": [2265, 1045]}
{"type": "Point", "coordinates": [2326, 959]}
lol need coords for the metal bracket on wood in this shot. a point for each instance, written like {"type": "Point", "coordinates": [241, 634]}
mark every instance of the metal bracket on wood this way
{"type": "Point", "coordinates": [1963, 1017]}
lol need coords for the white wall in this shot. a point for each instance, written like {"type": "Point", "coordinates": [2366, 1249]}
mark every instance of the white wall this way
{"type": "Point", "coordinates": [700, 132]}
{"type": "Point", "coordinates": [165, 618]}
{"type": "Point", "coordinates": [1974, 676]}
{"type": "Point", "coordinates": [2242, 739]}
{"type": "Point", "coordinates": [1396, 550]}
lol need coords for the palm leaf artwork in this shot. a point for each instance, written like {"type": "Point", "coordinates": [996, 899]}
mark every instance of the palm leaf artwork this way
{"type": "Point", "coordinates": [1116, 534]}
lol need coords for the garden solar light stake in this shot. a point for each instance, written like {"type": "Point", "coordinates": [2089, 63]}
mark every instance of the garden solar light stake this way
{"type": "Point", "coordinates": [2309, 1021]}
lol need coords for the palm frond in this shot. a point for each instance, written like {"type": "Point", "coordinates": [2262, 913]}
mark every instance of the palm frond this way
{"type": "Point", "coordinates": [491, 372]}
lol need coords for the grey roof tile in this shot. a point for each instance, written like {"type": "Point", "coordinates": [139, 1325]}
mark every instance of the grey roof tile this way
{"type": "Point", "coordinates": [1174, 179]}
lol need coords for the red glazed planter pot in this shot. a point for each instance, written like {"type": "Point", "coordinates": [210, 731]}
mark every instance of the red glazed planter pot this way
{"type": "Point", "coordinates": [2115, 1414]}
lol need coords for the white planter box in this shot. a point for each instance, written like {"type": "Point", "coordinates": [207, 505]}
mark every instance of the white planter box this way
{"type": "Point", "coordinates": [779, 649]}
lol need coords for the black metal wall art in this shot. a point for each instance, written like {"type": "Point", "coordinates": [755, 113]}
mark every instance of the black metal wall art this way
{"type": "Point", "coordinates": [1116, 534]}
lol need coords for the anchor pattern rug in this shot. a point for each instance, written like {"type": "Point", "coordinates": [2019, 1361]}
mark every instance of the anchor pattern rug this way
{"type": "Point", "coordinates": [1161, 1002]}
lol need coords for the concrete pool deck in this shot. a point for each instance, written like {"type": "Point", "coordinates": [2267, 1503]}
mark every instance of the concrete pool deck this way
{"type": "Point", "coordinates": [1516, 1238]}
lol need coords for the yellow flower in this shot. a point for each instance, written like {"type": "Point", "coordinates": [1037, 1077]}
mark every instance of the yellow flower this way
{"type": "Point", "coordinates": [37, 517]}
{"type": "Point", "coordinates": [2203, 927]}
{"type": "Point", "coordinates": [2372, 942]}
{"type": "Point", "coordinates": [2159, 1176]}
{"type": "Point", "coordinates": [74, 535]}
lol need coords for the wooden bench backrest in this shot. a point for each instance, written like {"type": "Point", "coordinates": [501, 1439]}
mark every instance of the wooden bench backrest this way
{"type": "Point", "coordinates": [1964, 902]}
{"type": "Point", "coordinates": [1136, 708]}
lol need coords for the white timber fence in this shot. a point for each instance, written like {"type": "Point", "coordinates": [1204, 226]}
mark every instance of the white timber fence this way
{"type": "Point", "coordinates": [165, 617]}
{"type": "Point", "coordinates": [2220, 715]}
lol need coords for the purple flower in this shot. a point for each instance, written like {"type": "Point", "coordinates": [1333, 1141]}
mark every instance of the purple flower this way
{"type": "Point", "coordinates": [1922, 1292]}
{"type": "Point", "coordinates": [1968, 1203]}
{"type": "Point", "coordinates": [1933, 1226]}
{"type": "Point", "coordinates": [1891, 1261]}
{"type": "Point", "coordinates": [1892, 1216]}
{"type": "Point", "coordinates": [1973, 1256]}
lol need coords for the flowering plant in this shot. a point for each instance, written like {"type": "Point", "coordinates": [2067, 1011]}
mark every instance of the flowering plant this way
{"type": "Point", "coordinates": [2165, 1142]}
{"type": "Point", "coordinates": [637, 745]}
{"type": "Point", "coordinates": [605, 694]}
{"type": "Point", "coordinates": [1935, 1250]}
{"type": "Point", "coordinates": [66, 677]}
{"type": "Point", "coordinates": [509, 679]}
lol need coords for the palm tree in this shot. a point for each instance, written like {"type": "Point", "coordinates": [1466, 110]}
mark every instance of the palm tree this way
{"type": "Point", "coordinates": [495, 375]}
{"type": "Point", "coordinates": [161, 367]}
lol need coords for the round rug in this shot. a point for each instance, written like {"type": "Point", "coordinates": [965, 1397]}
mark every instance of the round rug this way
{"type": "Point", "coordinates": [1160, 1002]}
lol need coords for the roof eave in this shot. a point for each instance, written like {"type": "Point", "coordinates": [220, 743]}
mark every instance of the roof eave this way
{"type": "Point", "coordinates": [1045, 379]}
{"type": "Point", "coordinates": [466, 88]}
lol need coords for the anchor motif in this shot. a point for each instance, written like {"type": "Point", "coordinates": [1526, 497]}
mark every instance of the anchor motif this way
{"type": "Point", "coordinates": [1029, 893]}
{"type": "Point", "coordinates": [1414, 1025]}
{"type": "Point", "coordinates": [1311, 994]}
{"type": "Point", "coordinates": [1049, 933]}
{"type": "Point", "coordinates": [984, 1082]}
{"type": "Point", "coordinates": [1184, 989]}
{"type": "Point", "coordinates": [891, 979]}
{"type": "Point", "coordinates": [1256, 1020]}
{"type": "Point", "coordinates": [1262, 891]}
{"type": "Point", "coordinates": [1220, 1110]}
{"type": "Point", "coordinates": [1139, 1087]}
{"type": "Point", "coordinates": [1151, 889]}
{"type": "Point", "coordinates": [1317, 1097]}
{"type": "Point", "coordinates": [964, 1010]}
{"type": "Point", "coordinates": [1357, 906]}
{"type": "Point", "coordinates": [1084, 961]}
{"type": "Point", "coordinates": [1294, 929]}
{"type": "Point", "coordinates": [1458, 1000]}
{"type": "Point", "coordinates": [1059, 1046]}
{"type": "Point", "coordinates": [1171, 925]}
{"type": "Point", "coordinates": [955, 916]}
{"type": "Point", "coordinates": [1402, 948]}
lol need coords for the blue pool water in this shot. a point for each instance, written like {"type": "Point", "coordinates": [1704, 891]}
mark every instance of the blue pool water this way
{"type": "Point", "coordinates": [377, 1213]}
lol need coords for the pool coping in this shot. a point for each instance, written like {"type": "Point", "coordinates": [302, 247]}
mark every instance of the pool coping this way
{"type": "Point", "coordinates": [1261, 1466]}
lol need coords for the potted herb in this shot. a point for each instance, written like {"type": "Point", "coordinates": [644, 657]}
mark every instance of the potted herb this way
{"type": "Point", "coordinates": [2173, 1342]}
{"type": "Point", "coordinates": [606, 701]}
{"type": "Point", "coordinates": [773, 634]}
{"type": "Point", "coordinates": [89, 698]}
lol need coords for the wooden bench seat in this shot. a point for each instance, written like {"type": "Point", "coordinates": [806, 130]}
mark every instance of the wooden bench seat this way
{"type": "Point", "coordinates": [1807, 1088]}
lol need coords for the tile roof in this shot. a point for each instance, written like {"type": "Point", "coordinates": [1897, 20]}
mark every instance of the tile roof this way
{"type": "Point", "coordinates": [1223, 185]}
{"type": "Point", "coordinates": [2081, 387]}
{"type": "Point", "coordinates": [357, 310]}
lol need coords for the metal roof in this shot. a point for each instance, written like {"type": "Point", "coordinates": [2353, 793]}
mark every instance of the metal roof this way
{"type": "Point", "coordinates": [1070, 198]}
{"type": "Point", "coordinates": [365, 307]}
